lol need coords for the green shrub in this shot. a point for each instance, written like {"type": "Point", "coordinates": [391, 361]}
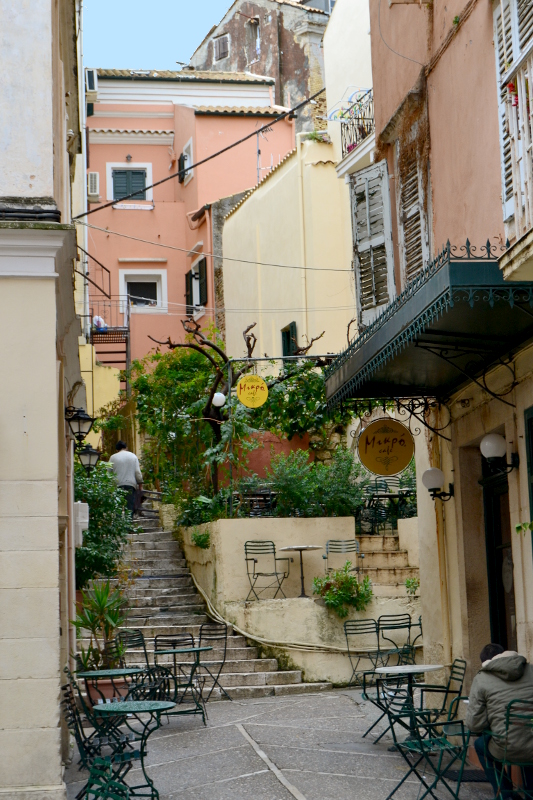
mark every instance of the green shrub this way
{"type": "Point", "coordinates": [102, 611]}
{"type": "Point", "coordinates": [109, 524]}
{"type": "Point", "coordinates": [412, 585]}
{"type": "Point", "coordinates": [341, 590]}
{"type": "Point", "coordinates": [202, 540]}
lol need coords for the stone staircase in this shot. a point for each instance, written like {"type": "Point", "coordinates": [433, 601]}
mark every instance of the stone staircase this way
{"type": "Point", "coordinates": [386, 565]}
{"type": "Point", "coordinates": [164, 601]}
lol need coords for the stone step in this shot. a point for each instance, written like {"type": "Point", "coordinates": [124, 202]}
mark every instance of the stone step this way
{"type": "Point", "coordinates": [155, 583]}
{"type": "Point", "coordinates": [373, 544]}
{"type": "Point", "coordinates": [396, 575]}
{"type": "Point", "coordinates": [167, 621]}
{"type": "Point", "coordinates": [142, 545]}
{"type": "Point", "coordinates": [385, 559]}
{"type": "Point", "coordinates": [171, 599]}
{"type": "Point", "coordinates": [162, 570]}
{"type": "Point", "coordinates": [160, 564]}
{"type": "Point", "coordinates": [235, 654]}
{"type": "Point", "coordinates": [247, 692]}
{"type": "Point", "coordinates": [158, 535]}
{"type": "Point", "coordinates": [148, 524]}
{"type": "Point", "coordinates": [234, 679]}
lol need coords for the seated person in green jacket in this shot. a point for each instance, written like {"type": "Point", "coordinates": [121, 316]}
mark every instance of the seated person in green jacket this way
{"type": "Point", "coordinates": [504, 676]}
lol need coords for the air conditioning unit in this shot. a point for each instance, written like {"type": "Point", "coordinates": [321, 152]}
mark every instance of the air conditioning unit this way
{"type": "Point", "coordinates": [91, 85]}
{"type": "Point", "coordinates": [93, 187]}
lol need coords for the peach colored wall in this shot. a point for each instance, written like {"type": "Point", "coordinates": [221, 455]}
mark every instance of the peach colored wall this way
{"type": "Point", "coordinates": [463, 123]}
{"type": "Point", "coordinates": [167, 223]}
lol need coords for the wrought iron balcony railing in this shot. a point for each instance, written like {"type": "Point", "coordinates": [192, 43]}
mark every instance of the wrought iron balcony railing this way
{"type": "Point", "coordinates": [357, 121]}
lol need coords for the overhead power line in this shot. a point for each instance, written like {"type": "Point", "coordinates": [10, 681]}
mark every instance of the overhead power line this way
{"type": "Point", "coordinates": [212, 255]}
{"type": "Point", "coordinates": [209, 158]}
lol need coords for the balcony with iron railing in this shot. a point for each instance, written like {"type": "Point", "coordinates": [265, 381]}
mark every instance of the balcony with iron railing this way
{"type": "Point", "coordinates": [357, 121]}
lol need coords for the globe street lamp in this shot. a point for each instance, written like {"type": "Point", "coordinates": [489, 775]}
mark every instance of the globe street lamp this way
{"type": "Point", "coordinates": [433, 480]}
{"type": "Point", "coordinates": [494, 447]}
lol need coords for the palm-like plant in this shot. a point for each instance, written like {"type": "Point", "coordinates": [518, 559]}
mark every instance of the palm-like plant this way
{"type": "Point", "coordinates": [102, 612]}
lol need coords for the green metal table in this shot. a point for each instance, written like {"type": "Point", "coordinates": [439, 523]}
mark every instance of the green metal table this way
{"type": "Point", "coordinates": [196, 692]}
{"type": "Point", "coordinates": [147, 713]}
{"type": "Point", "coordinates": [92, 678]}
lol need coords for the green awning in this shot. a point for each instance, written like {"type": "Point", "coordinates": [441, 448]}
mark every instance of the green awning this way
{"type": "Point", "coordinates": [453, 322]}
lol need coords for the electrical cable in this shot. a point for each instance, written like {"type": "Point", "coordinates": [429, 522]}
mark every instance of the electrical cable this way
{"type": "Point", "coordinates": [388, 46]}
{"type": "Point", "coordinates": [208, 158]}
{"type": "Point", "coordinates": [212, 255]}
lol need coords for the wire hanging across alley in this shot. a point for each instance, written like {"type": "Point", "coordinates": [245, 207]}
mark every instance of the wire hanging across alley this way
{"type": "Point", "coordinates": [208, 158]}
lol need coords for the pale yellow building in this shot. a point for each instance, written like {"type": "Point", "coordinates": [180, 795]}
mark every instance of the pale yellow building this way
{"type": "Point", "coordinates": [293, 235]}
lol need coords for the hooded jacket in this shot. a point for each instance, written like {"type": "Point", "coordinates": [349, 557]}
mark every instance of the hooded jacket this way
{"type": "Point", "coordinates": [505, 677]}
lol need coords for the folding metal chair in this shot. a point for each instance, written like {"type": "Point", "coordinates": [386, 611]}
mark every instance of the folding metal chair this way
{"type": "Point", "coordinates": [386, 693]}
{"type": "Point", "coordinates": [518, 729]}
{"type": "Point", "coordinates": [431, 748]}
{"type": "Point", "coordinates": [390, 629]}
{"type": "Point", "coordinates": [342, 547]}
{"type": "Point", "coordinates": [355, 631]}
{"type": "Point", "coordinates": [450, 691]}
{"type": "Point", "coordinates": [102, 785]}
{"type": "Point", "coordinates": [261, 562]}
{"type": "Point", "coordinates": [132, 640]}
{"type": "Point", "coordinates": [216, 635]}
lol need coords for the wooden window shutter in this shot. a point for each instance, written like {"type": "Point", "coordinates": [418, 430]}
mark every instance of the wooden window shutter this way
{"type": "Point", "coordinates": [188, 293]}
{"type": "Point", "coordinates": [293, 338]}
{"type": "Point", "coordinates": [202, 274]}
{"type": "Point", "coordinates": [504, 57]}
{"type": "Point", "coordinates": [411, 220]}
{"type": "Point", "coordinates": [289, 339]}
{"type": "Point", "coordinates": [372, 237]}
{"type": "Point", "coordinates": [120, 183]}
{"type": "Point", "coordinates": [181, 167]}
{"type": "Point", "coordinates": [221, 47]}
{"type": "Point", "coordinates": [525, 22]}
{"type": "Point", "coordinates": [137, 183]}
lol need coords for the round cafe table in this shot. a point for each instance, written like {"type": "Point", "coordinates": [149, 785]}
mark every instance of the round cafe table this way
{"type": "Point", "coordinates": [409, 670]}
{"type": "Point", "coordinates": [301, 548]}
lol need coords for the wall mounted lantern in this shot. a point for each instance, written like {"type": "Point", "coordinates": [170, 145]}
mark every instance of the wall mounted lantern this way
{"type": "Point", "coordinates": [433, 480]}
{"type": "Point", "coordinates": [219, 399]}
{"type": "Point", "coordinates": [494, 447]}
{"type": "Point", "coordinates": [80, 423]}
{"type": "Point", "coordinates": [88, 457]}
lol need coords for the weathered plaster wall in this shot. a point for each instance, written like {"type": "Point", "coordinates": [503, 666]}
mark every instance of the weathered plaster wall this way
{"type": "Point", "coordinates": [221, 572]}
{"type": "Point", "coordinates": [305, 204]}
{"type": "Point", "coordinates": [26, 132]}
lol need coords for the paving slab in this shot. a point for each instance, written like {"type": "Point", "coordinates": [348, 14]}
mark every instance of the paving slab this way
{"type": "Point", "coordinates": [306, 747]}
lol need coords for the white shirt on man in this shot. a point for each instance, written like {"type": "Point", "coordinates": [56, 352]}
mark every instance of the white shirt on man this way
{"type": "Point", "coordinates": [126, 468]}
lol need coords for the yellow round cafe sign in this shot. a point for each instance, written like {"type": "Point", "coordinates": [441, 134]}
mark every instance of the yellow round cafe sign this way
{"type": "Point", "coordinates": [252, 391]}
{"type": "Point", "coordinates": [386, 447]}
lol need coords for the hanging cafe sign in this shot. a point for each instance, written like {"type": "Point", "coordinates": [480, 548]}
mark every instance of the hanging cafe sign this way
{"type": "Point", "coordinates": [252, 391]}
{"type": "Point", "coordinates": [386, 447]}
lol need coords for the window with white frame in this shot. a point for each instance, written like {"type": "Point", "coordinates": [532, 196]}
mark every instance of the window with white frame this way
{"type": "Point", "coordinates": [372, 240]}
{"type": "Point", "coordinates": [513, 38]}
{"type": "Point", "coordinates": [196, 286]}
{"type": "Point", "coordinates": [186, 159]}
{"type": "Point", "coordinates": [133, 176]}
{"type": "Point", "coordinates": [144, 290]}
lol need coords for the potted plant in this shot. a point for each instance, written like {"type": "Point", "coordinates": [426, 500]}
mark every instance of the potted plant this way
{"type": "Point", "coordinates": [100, 614]}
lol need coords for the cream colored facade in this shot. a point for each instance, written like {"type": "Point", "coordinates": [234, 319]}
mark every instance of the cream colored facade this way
{"type": "Point", "coordinates": [39, 140]}
{"type": "Point", "coordinates": [296, 217]}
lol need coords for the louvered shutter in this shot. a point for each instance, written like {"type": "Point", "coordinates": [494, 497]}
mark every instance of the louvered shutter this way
{"type": "Point", "coordinates": [411, 220]}
{"type": "Point", "coordinates": [188, 293]}
{"type": "Point", "coordinates": [504, 56]}
{"type": "Point", "coordinates": [202, 275]}
{"type": "Point", "coordinates": [137, 183]}
{"type": "Point", "coordinates": [120, 183]}
{"type": "Point", "coordinates": [372, 238]}
{"type": "Point", "coordinates": [181, 167]}
{"type": "Point", "coordinates": [289, 339]}
{"type": "Point", "coordinates": [525, 22]}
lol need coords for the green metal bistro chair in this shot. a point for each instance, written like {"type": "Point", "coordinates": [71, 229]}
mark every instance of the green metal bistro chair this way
{"type": "Point", "coordinates": [431, 749]}
{"type": "Point", "coordinates": [132, 640]}
{"type": "Point", "coordinates": [392, 628]}
{"type": "Point", "coordinates": [215, 635]}
{"type": "Point", "coordinates": [342, 547]}
{"type": "Point", "coordinates": [262, 563]}
{"type": "Point", "coordinates": [102, 785]}
{"type": "Point", "coordinates": [518, 726]}
{"type": "Point", "coordinates": [383, 694]}
{"type": "Point", "coordinates": [355, 631]}
{"type": "Point", "coordinates": [450, 691]}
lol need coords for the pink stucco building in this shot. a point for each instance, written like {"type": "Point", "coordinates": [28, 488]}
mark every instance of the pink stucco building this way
{"type": "Point", "coordinates": [155, 250]}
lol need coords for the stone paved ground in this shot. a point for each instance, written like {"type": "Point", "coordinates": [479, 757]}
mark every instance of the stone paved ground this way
{"type": "Point", "coordinates": [312, 742]}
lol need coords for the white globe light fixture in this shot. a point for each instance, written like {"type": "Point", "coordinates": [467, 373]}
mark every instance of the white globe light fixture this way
{"type": "Point", "coordinates": [219, 399]}
{"type": "Point", "coordinates": [494, 447]}
{"type": "Point", "coordinates": [433, 480]}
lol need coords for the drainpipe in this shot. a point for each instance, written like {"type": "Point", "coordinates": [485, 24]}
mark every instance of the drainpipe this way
{"type": "Point", "coordinates": [440, 520]}
{"type": "Point", "coordinates": [83, 137]}
{"type": "Point", "coordinates": [303, 250]}
{"type": "Point", "coordinates": [71, 558]}
{"type": "Point", "coordinates": [211, 256]}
